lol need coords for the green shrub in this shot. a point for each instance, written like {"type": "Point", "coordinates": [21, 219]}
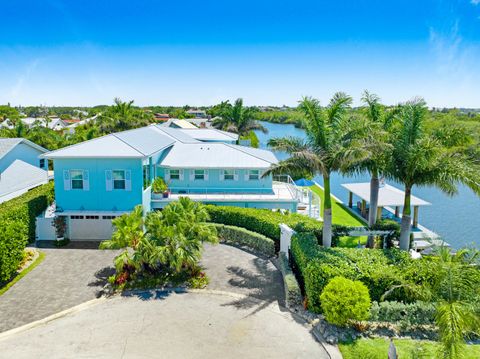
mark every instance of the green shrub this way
{"type": "Point", "coordinates": [379, 270]}
{"type": "Point", "coordinates": [263, 221]}
{"type": "Point", "coordinates": [245, 238]}
{"type": "Point", "coordinates": [17, 226]}
{"type": "Point", "coordinates": [293, 294]}
{"type": "Point", "coordinates": [344, 300]}
{"type": "Point", "coordinates": [417, 313]}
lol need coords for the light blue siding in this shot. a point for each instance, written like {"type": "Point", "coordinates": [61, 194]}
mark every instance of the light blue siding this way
{"type": "Point", "coordinates": [97, 198]}
{"type": "Point", "coordinates": [216, 184]}
{"type": "Point", "coordinates": [22, 152]}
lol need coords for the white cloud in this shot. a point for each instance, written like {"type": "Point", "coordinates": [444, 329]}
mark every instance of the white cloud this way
{"type": "Point", "coordinates": [24, 77]}
{"type": "Point", "coordinates": [475, 2]}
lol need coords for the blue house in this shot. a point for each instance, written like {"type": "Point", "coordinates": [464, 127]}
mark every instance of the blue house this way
{"type": "Point", "coordinates": [20, 167]}
{"type": "Point", "coordinates": [97, 180]}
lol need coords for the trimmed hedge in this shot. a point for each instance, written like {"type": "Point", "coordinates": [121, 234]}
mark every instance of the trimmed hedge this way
{"type": "Point", "coordinates": [17, 226]}
{"type": "Point", "coordinates": [293, 294]}
{"type": "Point", "coordinates": [264, 221]}
{"type": "Point", "coordinates": [417, 313]}
{"type": "Point", "coordinates": [379, 270]}
{"type": "Point", "coordinates": [243, 237]}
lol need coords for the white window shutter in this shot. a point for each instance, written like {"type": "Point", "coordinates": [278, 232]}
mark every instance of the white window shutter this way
{"type": "Point", "coordinates": [66, 180]}
{"type": "Point", "coordinates": [181, 175]}
{"type": "Point", "coordinates": [128, 180]}
{"type": "Point", "coordinates": [192, 175]}
{"type": "Point", "coordinates": [235, 175]}
{"type": "Point", "coordinates": [246, 175]}
{"type": "Point", "coordinates": [167, 175]}
{"type": "Point", "coordinates": [206, 175]}
{"type": "Point", "coordinates": [222, 175]}
{"type": "Point", "coordinates": [108, 180]}
{"type": "Point", "coordinates": [86, 181]}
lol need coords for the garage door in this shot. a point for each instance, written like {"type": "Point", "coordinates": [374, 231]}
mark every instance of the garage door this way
{"type": "Point", "coordinates": [90, 228]}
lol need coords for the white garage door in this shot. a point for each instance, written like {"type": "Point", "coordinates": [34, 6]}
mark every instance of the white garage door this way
{"type": "Point", "coordinates": [90, 228]}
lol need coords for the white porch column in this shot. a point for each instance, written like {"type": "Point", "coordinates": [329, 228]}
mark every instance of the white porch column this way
{"type": "Point", "coordinates": [286, 234]}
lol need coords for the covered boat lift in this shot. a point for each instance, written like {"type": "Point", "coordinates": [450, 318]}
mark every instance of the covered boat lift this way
{"type": "Point", "coordinates": [388, 196]}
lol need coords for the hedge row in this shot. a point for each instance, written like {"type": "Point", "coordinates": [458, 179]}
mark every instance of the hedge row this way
{"type": "Point", "coordinates": [256, 242]}
{"type": "Point", "coordinates": [379, 270]}
{"type": "Point", "coordinates": [17, 226]}
{"type": "Point", "coordinates": [417, 313]}
{"type": "Point", "coordinates": [264, 221]}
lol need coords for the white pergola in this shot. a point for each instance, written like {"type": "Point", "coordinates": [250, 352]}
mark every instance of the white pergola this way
{"type": "Point", "coordinates": [388, 196]}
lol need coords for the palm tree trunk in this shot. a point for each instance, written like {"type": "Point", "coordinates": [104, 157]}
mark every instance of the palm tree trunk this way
{"type": "Point", "coordinates": [327, 213]}
{"type": "Point", "coordinates": [406, 221]}
{"type": "Point", "coordinates": [372, 214]}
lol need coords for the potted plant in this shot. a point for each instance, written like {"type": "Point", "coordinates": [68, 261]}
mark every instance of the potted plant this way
{"type": "Point", "coordinates": [60, 224]}
{"type": "Point", "coordinates": [159, 186]}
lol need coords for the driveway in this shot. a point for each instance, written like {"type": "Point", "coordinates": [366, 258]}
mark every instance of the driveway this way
{"type": "Point", "coordinates": [66, 277]}
{"type": "Point", "coordinates": [162, 325]}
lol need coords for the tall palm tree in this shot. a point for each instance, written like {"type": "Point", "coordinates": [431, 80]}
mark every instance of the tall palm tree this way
{"type": "Point", "coordinates": [419, 159]}
{"type": "Point", "coordinates": [237, 118]}
{"type": "Point", "coordinates": [327, 148]}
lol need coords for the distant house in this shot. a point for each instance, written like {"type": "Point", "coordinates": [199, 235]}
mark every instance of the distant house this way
{"type": "Point", "coordinates": [21, 169]}
{"type": "Point", "coordinates": [197, 113]}
{"type": "Point", "coordinates": [54, 123]}
{"type": "Point", "coordinates": [71, 127]}
{"type": "Point", "coordinates": [161, 117]}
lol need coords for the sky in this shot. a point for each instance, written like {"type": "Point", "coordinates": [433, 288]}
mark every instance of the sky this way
{"type": "Point", "coordinates": [199, 53]}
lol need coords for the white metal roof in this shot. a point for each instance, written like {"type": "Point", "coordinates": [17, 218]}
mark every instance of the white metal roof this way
{"type": "Point", "coordinates": [7, 144]}
{"type": "Point", "coordinates": [146, 140]}
{"type": "Point", "coordinates": [210, 134]}
{"type": "Point", "coordinates": [217, 155]}
{"type": "Point", "coordinates": [106, 146]}
{"type": "Point", "coordinates": [387, 196]}
{"type": "Point", "coordinates": [18, 178]}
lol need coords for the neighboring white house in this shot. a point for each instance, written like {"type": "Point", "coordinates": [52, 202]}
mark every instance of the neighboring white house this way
{"type": "Point", "coordinates": [20, 167]}
{"type": "Point", "coordinates": [197, 113]}
{"type": "Point", "coordinates": [52, 123]}
{"type": "Point", "coordinates": [71, 128]}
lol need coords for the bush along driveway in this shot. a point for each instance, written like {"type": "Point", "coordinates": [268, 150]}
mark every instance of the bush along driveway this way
{"type": "Point", "coordinates": [67, 277]}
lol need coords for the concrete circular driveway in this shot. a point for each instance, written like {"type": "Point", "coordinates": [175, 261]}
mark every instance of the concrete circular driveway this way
{"type": "Point", "coordinates": [168, 325]}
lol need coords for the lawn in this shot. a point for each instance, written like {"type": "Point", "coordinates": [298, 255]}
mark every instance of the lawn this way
{"type": "Point", "coordinates": [341, 215]}
{"type": "Point", "coordinates": [406, 348]}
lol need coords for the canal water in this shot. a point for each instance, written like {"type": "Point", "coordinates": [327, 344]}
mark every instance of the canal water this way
{"type": "Point", "coordinates": [456, 219]}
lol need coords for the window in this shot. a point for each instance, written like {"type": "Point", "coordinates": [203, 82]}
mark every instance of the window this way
{"type": "Point", "coordinates": [92, 217]}
{"type": "Point", "coordinates": [253, 175]}
{"type": "Point", "coordinates": [76, 217]}
{"type": "Point", "coordinates": [175, 174]}
{"type": "Point", "coordinates": [228, 175]}
{"type": "Point", "coordinates": [42, 163]}
{"type": "Point", "coordinates": [77, 179]}
{"type": "Point", "coordinates": [199, 174]}
{"type": "Point", "coordinates": [118, 179]}
{"type": "Point", "coordinates": [108, 217]}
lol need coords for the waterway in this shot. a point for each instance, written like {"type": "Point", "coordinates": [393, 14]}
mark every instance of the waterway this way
{"type": "Point", "coordinates": [456, 219]}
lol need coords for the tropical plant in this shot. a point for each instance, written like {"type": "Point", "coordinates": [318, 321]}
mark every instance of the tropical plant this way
{"type": "Point", "coordinates": [122, 116]}
{"type": "Point", "coordinates": [237, 118]}
{"type": "Point", "coordinates": [176, 234]}
{"type": "Point", "coordinates": [344, 300]}
{"type": "Point", "coordinates": [329, 147]}
{"type": "Point", "coordinates": [159, 185]}
{"type": "Point", "coordinates": [128, 231]}
{"type": "Point", "coordinates": [456, 289]}
{"type": "Point", "coordinates": [419, 159]}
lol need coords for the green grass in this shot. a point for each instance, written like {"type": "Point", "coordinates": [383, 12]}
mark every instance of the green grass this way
{"type": "Point", "coordinates": [341, 215]}
{"type": "Point", "coordinates": [40, 258]}
{"type": "Point", "coordinates": [406, 348]}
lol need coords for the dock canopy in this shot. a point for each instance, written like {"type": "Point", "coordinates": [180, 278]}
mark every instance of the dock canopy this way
{"type": "Point", "coordinates": [387, 196]}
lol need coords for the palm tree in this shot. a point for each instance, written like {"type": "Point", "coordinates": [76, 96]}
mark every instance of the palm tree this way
{"type": "Point", "coordinates": [419, 159]}
{"type": "Point", "coordinates": [328, 148]}
{"type": "Point", "coordinates": [237, 118]}
{"type": "Point", "coordinates": [128, 231]}
{"type": "Point", "coordinates": [455, 290]}
{"type": "Point", "coordinates": [372, 133]}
